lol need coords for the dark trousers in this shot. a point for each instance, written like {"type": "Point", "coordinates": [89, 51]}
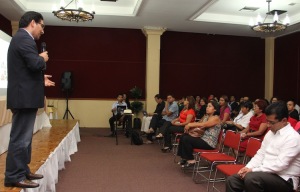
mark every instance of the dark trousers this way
{"type": "Point", "coordinates": [258, 181]}
{"type": "Point", "coordinates": [155, 122]}
{"type": "Point", "coordinates": [168, 134]}
{"type": "Point", "coordinates": [186, 145]}
{"type": "Point", "coordinates": [127, 119]}
{"type": "Point", "coordinates": [19, 148]}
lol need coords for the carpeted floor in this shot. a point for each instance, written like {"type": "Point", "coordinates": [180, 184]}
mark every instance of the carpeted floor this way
{"type": "Point", "coordinates": [102, 166]}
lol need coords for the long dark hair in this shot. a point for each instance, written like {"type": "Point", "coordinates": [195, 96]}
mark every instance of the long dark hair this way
{"type": "Point", "coordinates": [216, 106]}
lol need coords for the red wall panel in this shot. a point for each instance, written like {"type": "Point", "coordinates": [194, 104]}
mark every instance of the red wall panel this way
{"type": "Point", "coordinates": [103, 62]}
{"type": "Point", "coordinates": [287, 67]}
{"type": "Point", "coordinates": [5, 25]}
{"type": "Point", "coordinates": [200, 64]}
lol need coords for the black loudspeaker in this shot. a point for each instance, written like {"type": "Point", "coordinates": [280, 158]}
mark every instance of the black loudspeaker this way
{"type": "Point", "coordinates": [66, 80]}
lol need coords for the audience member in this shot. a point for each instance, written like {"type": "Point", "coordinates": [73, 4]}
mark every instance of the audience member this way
{"type": "Point", "coordinates": [169, 113]}
{"type": "Point", "coordinates": [201, 135]}
{"type": "Point", "coordinates": [186, 116]}
{"type": "Point", "coordinates": [180, 104]}
{"type": "Point", "coordinates": [293, 113]}
{"type": "Point", "coordinates": [242, 120]}
{"type": "Point", "coordinates": [276, 165]}
{"type": "Point", "coordinates": [158, 110]}
{"type": "Point", "coordinates": [232, 103]}
{"type": "Point", "coordinates": [202, 111]}
{"type": "Point", "coordinates": [257, 126]}
{"type": "Point", "coordinates": [197, 104]}
{"type": "Point", "coordinates": [117, 114]}
{"type": "Point", "coordinates": [274, 99]}
{"type": "Point", "coordinates": [224, 109]}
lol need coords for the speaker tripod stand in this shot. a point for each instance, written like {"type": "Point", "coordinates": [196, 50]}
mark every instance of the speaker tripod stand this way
{"type": "Point", "coordinates": [67, 111]}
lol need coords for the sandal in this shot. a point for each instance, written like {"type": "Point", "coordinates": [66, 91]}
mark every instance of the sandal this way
{"type": "Point", "coordinates": [166, 149]}
{"type": "Point", "coordinates": [151, 130]}
{"type": "Point", "coordinates": [182, 162]}
{"type": "Point", "coordinates": [188, 165]}
{"type": "Point", "coordinates": [159, 136]}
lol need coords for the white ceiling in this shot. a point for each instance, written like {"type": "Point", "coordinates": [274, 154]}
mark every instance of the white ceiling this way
{"type": "Point", "coordinates": [198, 16]}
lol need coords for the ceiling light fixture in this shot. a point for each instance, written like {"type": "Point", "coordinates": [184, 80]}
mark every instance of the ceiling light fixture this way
{"type": "Point", "coordinates": [269, 27]}
{"type": "Point", "coordinates": [77, 14]}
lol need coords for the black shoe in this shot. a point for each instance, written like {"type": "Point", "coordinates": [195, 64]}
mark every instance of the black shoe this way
{"type": "Point", "coordinates": [32, 176]}
{"type": "Point", "coordinates": [166, 149]}
{"type": "Point", "coordinates": [23, 184]}
{"type": "Point", "coordinates": [182, 162]}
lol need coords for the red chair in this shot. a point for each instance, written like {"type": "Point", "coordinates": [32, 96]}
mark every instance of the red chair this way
{"type": "Point", "coordinates": [231, 169]}
{"type": "Point", "coordinates": [197, 153]}
{"type": "Point", "coordinates": [175, 145]}
{"type": "Point", "coordinates": [232, 142]}
{"type": "Point", "coordinates": [293, 122]}
{"type": "Point", "coordinates": [297, 127]}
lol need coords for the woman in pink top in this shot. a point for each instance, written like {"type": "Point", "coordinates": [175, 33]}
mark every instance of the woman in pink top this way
{"type": "Point", "coordinates": [224, 109]}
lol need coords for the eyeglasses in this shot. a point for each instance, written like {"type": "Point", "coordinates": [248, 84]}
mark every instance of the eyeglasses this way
{"type": "Point", "coordinates": [42, 25]}
{"type": "Point", "coordinates": [272, 122]}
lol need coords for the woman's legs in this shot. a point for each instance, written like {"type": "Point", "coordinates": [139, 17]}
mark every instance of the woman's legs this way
{"type": "Point", "coordinates": [168, 134]}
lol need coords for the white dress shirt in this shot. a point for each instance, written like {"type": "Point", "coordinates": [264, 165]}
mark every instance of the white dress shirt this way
{"type": "Point", "coordinates": [280, 154]}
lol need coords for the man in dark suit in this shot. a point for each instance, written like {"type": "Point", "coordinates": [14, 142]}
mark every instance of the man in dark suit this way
{"type": "Point", "coordinates": [25, 94]}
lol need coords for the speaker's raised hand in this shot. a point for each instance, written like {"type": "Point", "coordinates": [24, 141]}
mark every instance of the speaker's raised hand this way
{"type": "Point", "coordinates": [48, 82]}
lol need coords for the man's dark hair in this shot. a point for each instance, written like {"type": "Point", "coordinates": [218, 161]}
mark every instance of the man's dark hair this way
{"type": "Point", "coordinates": [28, 17]}
{"type": "Point", "coordinates": [120, 94]}
{"type": "Point", "coordinates": [158, 96]}
{"type": "Point", "coordinates": [279, 109]}
{"type": "Point", "coordinates": [292, 100]}
{"type": "Point", "coordinates": [247, 104]}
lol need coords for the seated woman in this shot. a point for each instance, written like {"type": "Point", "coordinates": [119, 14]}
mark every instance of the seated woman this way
{"type": "Point", "coordinates": [202, 109]}
{"type": "Point", "coordinates": [257, 126]}
{"type": "Point", "coordinates": [186, 116]}
{"type": "Point", "coordinates": [242, 120]}
{"type": "Point", "coordinates": [201, 135]}
{"type": "Point", "coordinates": [224, 109]}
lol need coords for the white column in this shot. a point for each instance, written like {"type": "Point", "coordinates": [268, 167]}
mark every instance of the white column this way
{"type": "Point", "coordinates": [152, 65]}
{"type": "Point", "coordinates": [269, 66]}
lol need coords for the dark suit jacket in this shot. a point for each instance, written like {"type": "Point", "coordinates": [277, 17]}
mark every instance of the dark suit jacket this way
{"type": "Point", "coordinates": [25, 67]}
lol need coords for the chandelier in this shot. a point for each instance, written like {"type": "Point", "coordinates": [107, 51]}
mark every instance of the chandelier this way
{"type": "Point", "coordinates": [268, 27]}
{"type": "Point", "coordinates": [77, 14]}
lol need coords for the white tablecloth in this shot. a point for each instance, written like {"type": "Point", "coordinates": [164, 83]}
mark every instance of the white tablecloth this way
{"type": "Point", "coordinates": [56, 161]}
{"type": "Point", "coordinates": [42, 120]}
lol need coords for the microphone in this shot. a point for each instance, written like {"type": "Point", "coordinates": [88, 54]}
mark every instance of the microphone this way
{"type": "Point", "coordinates": [43, 47]}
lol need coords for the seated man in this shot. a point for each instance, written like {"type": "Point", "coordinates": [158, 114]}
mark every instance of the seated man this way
{"type": "Point", "coordinates": [117, 114]}
{"type": "Point", "coordinates": [276, 165]}
{"type": "Point", "coordinates": [147, 118]}
{"type": "Point", "coordinates": [169, 113]}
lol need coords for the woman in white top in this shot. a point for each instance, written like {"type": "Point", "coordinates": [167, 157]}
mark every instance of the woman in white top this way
{"type": "Point", "coordinates": [242, 120]}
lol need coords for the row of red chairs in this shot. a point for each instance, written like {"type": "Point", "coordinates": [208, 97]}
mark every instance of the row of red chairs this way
{"type": "Point", "coordinates": [220, 160]}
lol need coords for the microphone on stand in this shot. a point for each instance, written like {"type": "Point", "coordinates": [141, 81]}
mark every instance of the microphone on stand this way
{"type": "Point", "coordinates": [43, 47]}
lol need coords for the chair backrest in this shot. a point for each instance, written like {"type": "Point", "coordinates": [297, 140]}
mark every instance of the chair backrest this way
{"type": "Point", "coordinates": [232, 140]}
{"type": "Point", "coordinates": [293, 122]}
{"type": "Point", "coordinates": [253, 146]}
